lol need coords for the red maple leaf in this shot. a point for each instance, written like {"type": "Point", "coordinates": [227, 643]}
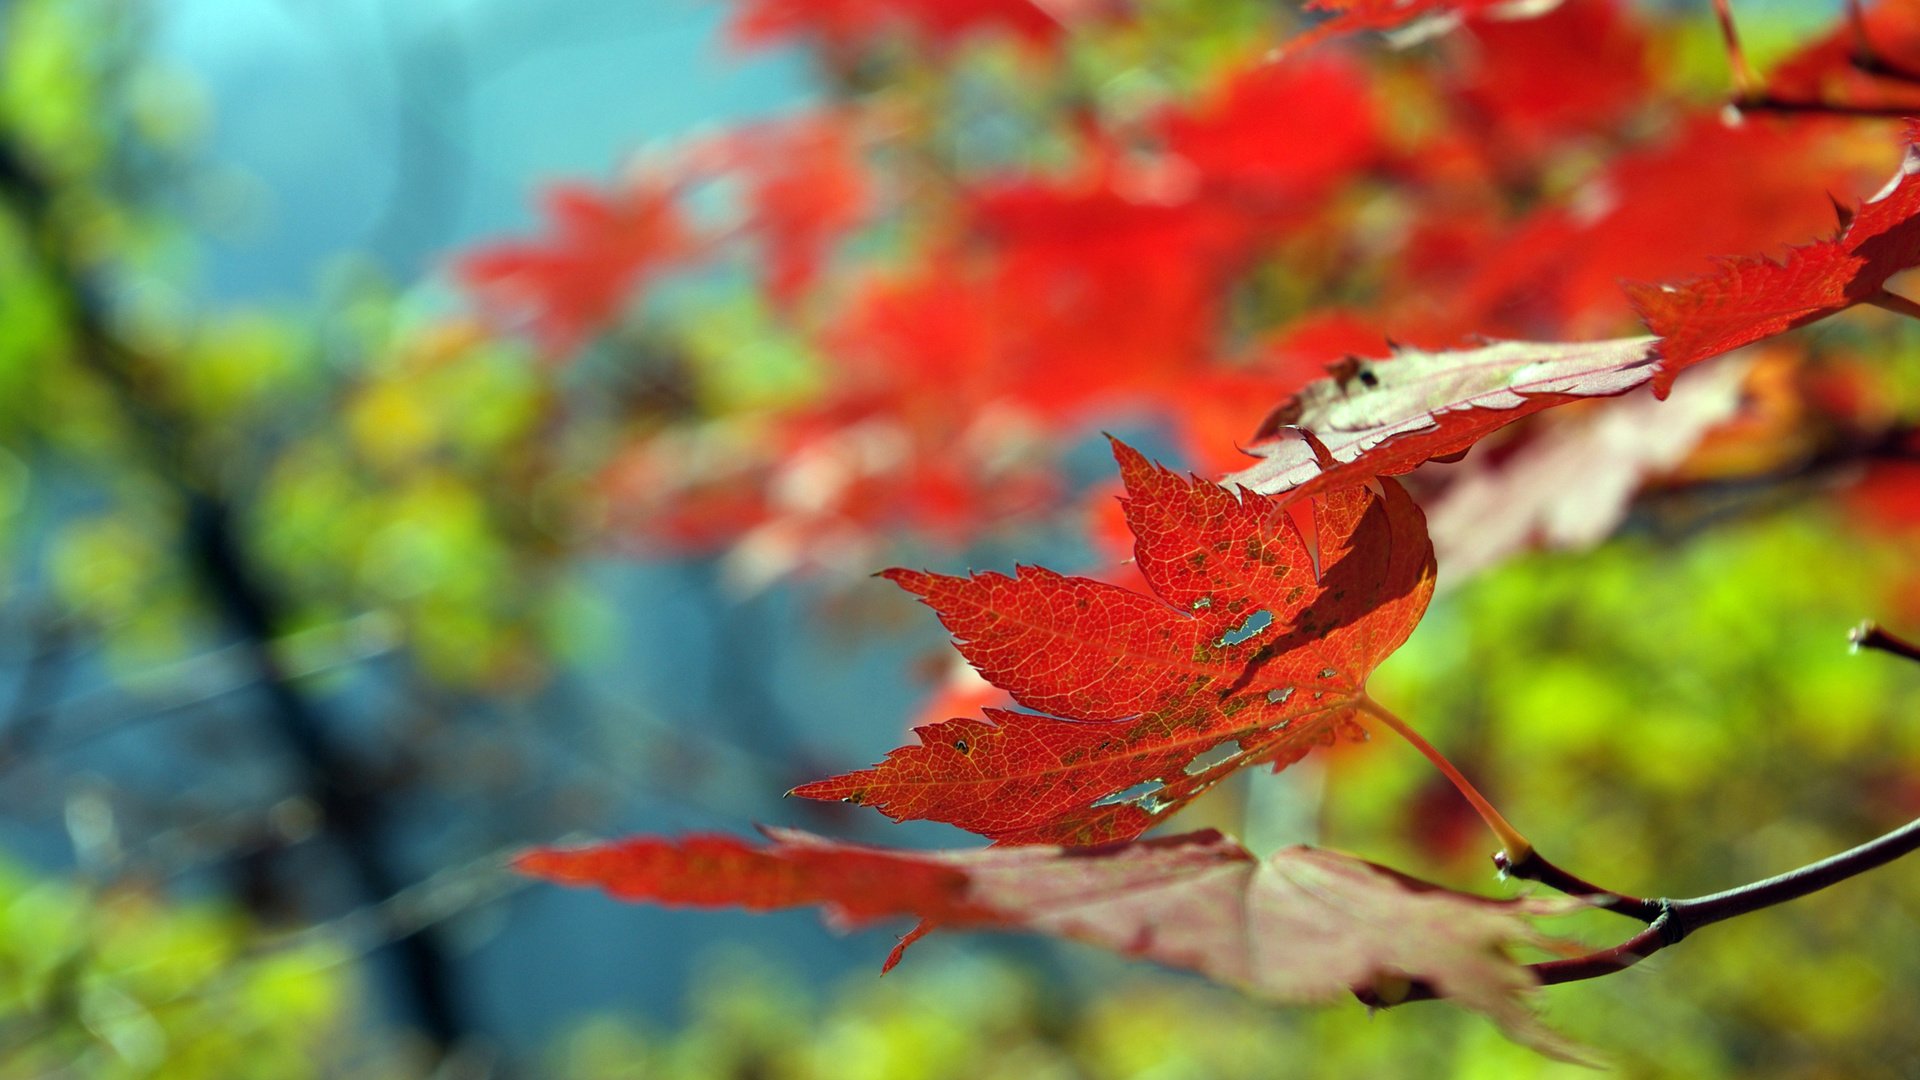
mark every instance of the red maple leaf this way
{"type": "Point", "coordinates": [1747, 299]}
{"type": "Point", "coordinates": [1254, 648]}
{"type": "Point", "coordinates": [1301, 926]}
{"type": "Point", "coordinates": [603, 246]}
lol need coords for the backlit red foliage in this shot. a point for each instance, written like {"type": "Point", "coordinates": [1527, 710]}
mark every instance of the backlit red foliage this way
{"type": "Point", "coordinates": [1749, 298]}
{"type": "Point", "coordinates": [602, 249]}
{"type": "Point", "coordinates": [1254, 648]}
{"type": "Point", "coordinates": [1871, 66]}
{"type": "Point", "coordinates": [1409, 251]}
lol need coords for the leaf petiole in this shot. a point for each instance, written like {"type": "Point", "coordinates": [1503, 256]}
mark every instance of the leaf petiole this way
{"type": "Point", "coordinates": [1516, 847]}
{"type": "Point", "coordinates": [1745, 86]}
{"type": "Point", "coordinates": [1894, 302]}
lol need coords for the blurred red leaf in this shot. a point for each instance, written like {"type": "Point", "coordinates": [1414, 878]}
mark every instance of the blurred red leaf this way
{"type": "Point", "coordinates": [601, 248]}
{"type": "Point", "coordinates": [1515, 78]}
{"type": "Point", "coordinates": [848, 24]}
{"type": "Point", "coordinates": [806, 185]}
{"type": "Point", "coordinates": [1382, 418]}
{"type": "Point", "coordinates": [1248, 141]}
{"type": "Point", "coordinates": [1571, 482]}
{"type": "Point", "coordinates": [1872, 66]}
{"type": "Point", "coordinates": [1556, 273]}
{"type": "Point", "coordinates": [858, 884]}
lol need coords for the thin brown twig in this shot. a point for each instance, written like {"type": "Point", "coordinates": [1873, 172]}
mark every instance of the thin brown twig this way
{"type": "Point", "coordinates": [1769, 103]}
{"type": "Point", "coordinates": [1676, 919]}
{"type": "Point", "coordinates": [1671, 921]}
{"type": "Point", "coordinates": [1535, 867]}
{"type": "Point", "coordinates": [1745, 86]}
{"type": "Point", "coordinates": [1871, 635]}
{"type": "Point", "coordinates": [1864, 57]}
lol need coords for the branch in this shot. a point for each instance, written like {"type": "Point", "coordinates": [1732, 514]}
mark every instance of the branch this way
{"type": "Point", "coordinates": [1670, 921]}
{"type": "Point", "coordinates": [1690, 915]}
{"type": "Point", "coordinates": [1744, 84]}
{"type": "Point", "coordinates": [1768, 103]}
{"type": "Point", "coordinates": [1673, 920]}
{"type": "Point", "coordinates": [1534, 866]}
{"type": "Point", "coordinates": [1682, 917]}
{"type": "Point", "coordinates": [1869, 635]}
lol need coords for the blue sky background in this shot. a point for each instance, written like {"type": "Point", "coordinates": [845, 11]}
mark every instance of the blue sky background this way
{"type": "Point", "coordinates": [407, 129]}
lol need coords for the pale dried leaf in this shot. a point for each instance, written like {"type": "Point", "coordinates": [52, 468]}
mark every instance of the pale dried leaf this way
{"type": "Point", "coordinates": [1385, 417]}
{"type": "Point", "coordinates": [1570, 486]}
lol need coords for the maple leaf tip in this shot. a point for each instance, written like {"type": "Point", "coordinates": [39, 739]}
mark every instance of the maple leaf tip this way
{"type": "Point", "coordinates": [913, 581]}
{"type": "Point", "coordinates": [1122, 452]}
{"type": "Point", "coordinates": [1135, 468]}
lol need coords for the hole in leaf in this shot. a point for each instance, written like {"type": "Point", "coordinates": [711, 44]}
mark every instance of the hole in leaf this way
{"type": "Point", "coordinates": [1279, 694]}
{"type": "Point", "coordinates": [1223, 752]}
{"type": "Point", "coordinates": [1327, 673]}
{"type": "Point", "coordinates": [1141, 792]}
{"type": "Point", "coordinates": [1255, 623]}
